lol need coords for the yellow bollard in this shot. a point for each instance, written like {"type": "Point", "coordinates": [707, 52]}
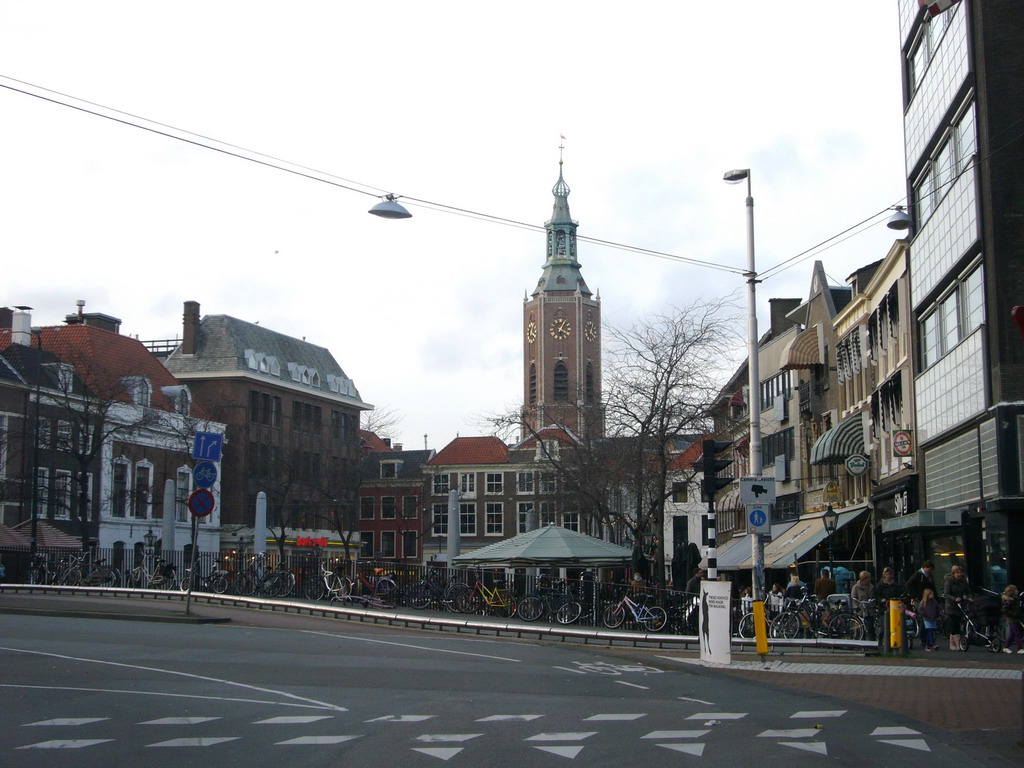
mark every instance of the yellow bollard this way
{"type": "Point", "coordinates": [895, 624]}
{"type": "Point", "coordinates": [760, 628]}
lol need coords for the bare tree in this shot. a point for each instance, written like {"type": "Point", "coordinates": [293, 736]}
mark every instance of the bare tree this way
{"type": "Point", "coordinates": [382, 421]}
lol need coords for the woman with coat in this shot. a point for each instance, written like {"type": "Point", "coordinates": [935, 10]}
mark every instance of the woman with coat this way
{"type": "Point", "coordinates": [956, 593]}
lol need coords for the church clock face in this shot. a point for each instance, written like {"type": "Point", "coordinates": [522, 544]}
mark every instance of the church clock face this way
{"type": "Point", "coordinates": [560, 328]}
{"type": "Point", "coordinates": [531, 332]}
{"type": "Point", "coordinates": [590, 330]}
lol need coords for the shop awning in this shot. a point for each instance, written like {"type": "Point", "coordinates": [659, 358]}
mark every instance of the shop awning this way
{"type": "Point", "coordinates": [737, 554]}
{"type": "Point", "coordinates": [803, 351]}
{"type": "Point", "coordinates": [808, 533]}
{"type": "Point", "coordinates": [838, 443]}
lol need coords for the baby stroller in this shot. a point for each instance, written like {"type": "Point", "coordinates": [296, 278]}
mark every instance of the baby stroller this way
{"type": "Point", "coordinates": [980, 624]}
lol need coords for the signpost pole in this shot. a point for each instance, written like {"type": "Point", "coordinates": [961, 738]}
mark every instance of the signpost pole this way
{"type": "Point", "coordinates": [192, 567]}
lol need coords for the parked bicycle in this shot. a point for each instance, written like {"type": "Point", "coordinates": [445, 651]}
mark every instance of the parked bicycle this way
{"type": "Point", "coordinates": [214, 580]}
{"type": "Point", "coordinates": [649, 617]}
{"type": "Point", "coordinates": [495, 600]}
{"type": "Point", "coordinates": [258, 579]}
{"type": "Point", "coordinates": [431, 591]}
{"type": "Point", "coordinates": [161, 577]}
{"type": "Point", "coordinates": [553, 601]}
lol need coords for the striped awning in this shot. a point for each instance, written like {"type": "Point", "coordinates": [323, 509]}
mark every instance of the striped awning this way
{"type": "Point", "coordinates": [840, 442]}
{"type": "Point", "coordinates": [803, 350]}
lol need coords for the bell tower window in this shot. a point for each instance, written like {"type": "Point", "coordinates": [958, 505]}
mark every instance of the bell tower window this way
{"type": "Point", "coordinates": [561, 388]}
{"type": "Point", "coordinates": [533, 383]}
{"type": "Point", "coordinates": [590, 382]}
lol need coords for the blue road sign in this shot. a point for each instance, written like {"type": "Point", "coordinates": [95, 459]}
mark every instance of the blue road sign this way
{"type": "Point", "coordinates": [204, 474]}
{"type": "Point", "coordinates": [207, 446]}
{"type": "Point", "coordinates": [758, 519]}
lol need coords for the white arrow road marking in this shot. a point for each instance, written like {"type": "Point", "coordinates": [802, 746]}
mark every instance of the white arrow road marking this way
{"type": "Point", "coordinates": [179, 721]}
{"type": "Point", "coordinates": [400, 719]}
{"type": "Point", "coordinates": [292, 720]}
{"type": "Point", "coordinates": [895, 731]}
{"type": "Point", "coordinates": [818, 747]}
{"type": "Point", "coordinates": [171, 695]}
{"type": "Point", "coordinates": [580, 736]}
{"type": "Point", "coordinates": [717, 716]}
{"type": "Point", "coordinates": [793, 733]}
{"type": "Point", "coordinates": [315, 740]}
{"type": "Point", "coordinates": [447, 736]}
{"type": "Point", "coordinates": [65, 744]}
{"type": "Point", "coordinates": [569, 752]}
{"type": "Point", "coordinates": [444, 753]}
{"type": "Point", "coordinates": [499, 718]}
{"type": "Point", "coordinates": [815, 715]}
{"type": "Point", "coordinates": [909, 743]}
{"type": "Point", "coordinates": [690, 749]}
{"type": "Point", "coordinates": [70, 721]}
{"type": "Point", "coordinates": [615, 717]}
{"type": "Point", "coordinates": [674, 734]}
{"type": "Point", "coordinates": [202, 741]}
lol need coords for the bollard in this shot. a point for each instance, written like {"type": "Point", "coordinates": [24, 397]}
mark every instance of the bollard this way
{"type": "Point", "coordinates": [895, 624]}
{"type": "Point", "coordinates": [760, 629]}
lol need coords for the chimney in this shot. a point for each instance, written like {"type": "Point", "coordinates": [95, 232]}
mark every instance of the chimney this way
{"type": "Point", "coordinates": [190, 330]}
{"type": "Point", "coordinates": [398, 446]}
{"type": "Point", "coordinates": [387, 441]}
{"type": "Point", "coordinates": [21, 327]}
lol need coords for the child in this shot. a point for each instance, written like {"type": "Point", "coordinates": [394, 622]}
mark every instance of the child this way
{"type": "Point", "coordinates": [1014, 615]}
{"type": "Point", "coordinates": [928, 610]}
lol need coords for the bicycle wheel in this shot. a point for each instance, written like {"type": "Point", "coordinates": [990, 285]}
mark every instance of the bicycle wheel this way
{"type": "Point", "coordinates": [568, 612]}
{"type": "Point", "coordinates": [419, 594]}
{"type": "Point", "coordinates": [745, 627]}
{"type": "Point", "coordinates": [613, 615]}
{"type": "Point", "coordinates": [110, 577]}
{"type": "Point", "coordinates": [502, 605]}
{"type": "Point", "coordinates": [185, 582]}
{"type": "Point", "coordinates": [786, 625]}
{"type": "Point", "coordinates": [313, 589]}
{"type": "Point", "coordinates": [219, 584]}
{"type": "Point", "coordinates": [386, 589]}
{"type": "Point", "coordinates": [654, 618]}
{"type": "Point", "coordinates": [531, 608]}
{"type": "Point", "coordinates": [468, 602]}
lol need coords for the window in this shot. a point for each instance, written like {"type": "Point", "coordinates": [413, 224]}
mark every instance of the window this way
{"type": "Point", "coordinates": [62, 493]}
{"type": "Point", "coordinates": [45, 440]}
{"type": "Point", "coordinates": [119, 494]}
{"type": "Point", "coordinates": [64, 441]}
{"type": "Point", "coordinates": [467, 482]}
{"type": "Point", "coordinates": [387, 543]}
{"type": "Point", "coordinates": [183, 402]}
{"type": "Point", "coordinates": [957, 315]}
{"type": "Point", "coordinates": [495, 482]}
{"type": "Point", "coordinates": [265, 409]}
{"type": "Point", "coordinates": [778, 444]}
{"type": "Point", "coordinates": [524, 482]}
{"type": "Point", "coordinates": [467, 519]}
{"type": "Point", "coordinates": [306, 417]}
{"type": "Point", "coordinates": [388, 469]}
{"type": "Point", "coordinates": [776, 386]}
{"type": "Point", "coordinates": [679, 492]}
{"type": "Point", "coordinates": [410, 547]}
{"type": "Point", "coordinates": [138, 389]}
{"type": "Point", "coordinates": [561, 382]}
{"type": "Point", "coordinates": [547, 483]}
{"type": "Point", "coordinates": [533, 383]}
{"type": "Point", "coordinates": [547, 513]}
{"type": "Point", "coordinates": [571, 520]}
{"type": "Point", "coordinates": [366, 507]}
{"type": "Point", "coordinates": [591, 389]}
{"type": "Point", "coordinates": [143, 488]}
{"type": "Point", "coordinates": [409, 507]}
{"type": "Point", "coordinates": [972, 301]}
{"type": "Point", "coordinates": [440, 519]}
{"type": "Point", "coordinates": [440, 485]}
{"type": "Point", "coordinates": [387, 508]}
{"type": "Point", "coordinates": [42, 490]}
{"type": "Point", "coordinates": [182, 488]}
{"type": "Point", "coordinates": [366, 545]}
{"type": "Point", "coordinates": [524, 512]}
{"type": "Point", "coordinates": [494, 515]}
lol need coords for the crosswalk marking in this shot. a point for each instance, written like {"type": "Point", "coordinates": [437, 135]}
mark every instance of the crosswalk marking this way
{"type": "Point", "coordinates": [201, 741]}
{"type": "Point", "coordinates": [818, 747]}
{"type": "Point", "coordinates": [919, 744]}
{"type": "Point", "coordinates": [400, 719]}
{"type": "Point", "coordinates": [569, 752]}
{"type": "Point", "coordinates": [792, 733]}
{"type": "Point", "coordinates": [179, 721]}
{"type": "Point", "coordinates": [444, 753]}
{"type": "Point", "coordinates": [65, 744]}
{"type": "Point", "coordinates": [447, 736]}
{"type": "Point", "coordinates": [691, 749]}
{"type": "Point", "coordinates": [301, 740]}
{"type": "Point", "coordinates": [500, 718]}
{"type": "Point", "coordinates": [675, 734]}
{"type": "Point", "coordinates": [70, 721]}
{"type": "Point", "coordinates": [292, 720]}
{"type": "Point", "coordinates": [635, 716]}
{"type": "Point", "coordinates": [717, 716]}
{"type": "Point", "coordinates": [895, 731]}
{"type": "Point", "coordinates": [580, 736]}
{"type": "Point", "coordinates": [818, 714]}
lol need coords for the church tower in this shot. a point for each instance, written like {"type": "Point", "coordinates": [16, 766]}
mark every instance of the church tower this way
{"type": "Point", "coordinates": [562, 335]}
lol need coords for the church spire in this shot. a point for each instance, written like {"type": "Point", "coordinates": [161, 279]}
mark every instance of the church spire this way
{"type": "Point", "coordinates": [561, 269]}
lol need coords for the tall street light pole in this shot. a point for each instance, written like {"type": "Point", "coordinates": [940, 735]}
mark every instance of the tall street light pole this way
{"type": "Point", "coordinates": [754, 384]}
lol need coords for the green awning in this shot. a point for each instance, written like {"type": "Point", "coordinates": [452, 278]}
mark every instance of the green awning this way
{"type": "Point", "coordinates": [838, 443]}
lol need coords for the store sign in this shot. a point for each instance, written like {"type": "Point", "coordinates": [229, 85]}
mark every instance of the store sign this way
{"type": "Point", "coordinates": [901, 503]}
{"type": "Point", "coordinates": [902, 443]}
{"type": "Point", "coordinates": [308, 541]}
{"type": "Point", "coordinates": [856, 464]}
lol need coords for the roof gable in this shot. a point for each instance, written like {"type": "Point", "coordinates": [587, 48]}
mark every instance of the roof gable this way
{"type": "Point", "coordinates": [472, 450]}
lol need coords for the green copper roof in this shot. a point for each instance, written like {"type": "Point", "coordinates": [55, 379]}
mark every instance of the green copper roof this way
{"type": "Point", "coordinates": [561, 269]}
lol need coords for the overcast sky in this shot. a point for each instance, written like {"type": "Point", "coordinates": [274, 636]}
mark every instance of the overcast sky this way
{"type": "Point", "coordinates": [461, 104]}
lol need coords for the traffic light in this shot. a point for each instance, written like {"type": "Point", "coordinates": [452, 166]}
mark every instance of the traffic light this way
{"type": "Point", "coordinates": [711, 465]}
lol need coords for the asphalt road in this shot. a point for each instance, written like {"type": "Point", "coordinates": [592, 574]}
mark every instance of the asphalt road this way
{"type": "Point", "coordinates": [88, 692]}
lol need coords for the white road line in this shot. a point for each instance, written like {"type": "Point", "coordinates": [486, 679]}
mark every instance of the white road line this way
{"type": "Point", "coordinates": [818, 747]}
{"type": "Point", "coordinates": [569, 752]}
{"type": "Point", "coordinates": [202, 741]}
{"type": "Point", "coordinates": [698, 701]}
{"type": "Point", "coordinates": [817, 714]}
{"type": "Point", "coordinates": [206, 678]}
{"type": "Point", "coordinates": [919, 744]}
{"type": "Point", "coordinates": [301, 740]}
{"type": "Point", "coordinates": [70, 721]}
{"type": "Point", "coordinates": [444, 753]}
{"type": "Point", "coordinates": [411, 645]}
{"type": "Point", "coordinates": [161, 693]}
{"type": "Point", "coordinates": [65, 744]}
{"type": "Point", "coordinates": [633, 685]}
{"type": "Point", "coordinates": [570, 669]}
{"type": "Point", "coordinates": [577, 736]}
{"type": "Point", "coordinates": [442, 737]}
{"type": "Point", "coordinates": [690, 749]}
{"type": "Point", "coordinates": [615, 717]}
{"type": "Point", "coordinates": [792, 733]}
{"type": "Point", "coordinates": [292, 720]}
{"type": "Point", "coordinates": [675, 734]}
{"type": "Point", "coordinates": [400, 719]}
{"type": "Point", "coordinates": [501, 718]}
{"type": "Point", "coordinates": [895, 731]}
{"type": "Point", "coordinates": [717, 716]}
{"type": "Point", "coordinates": [179, 721]}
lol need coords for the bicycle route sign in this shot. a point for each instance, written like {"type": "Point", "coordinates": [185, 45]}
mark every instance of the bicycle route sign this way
{"type": "Point", "coordinates": [204, 474]}
{"type": "Point", "coordinates": [200, 502]}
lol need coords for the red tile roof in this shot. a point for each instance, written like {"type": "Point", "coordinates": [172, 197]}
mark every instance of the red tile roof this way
{"type": "Point", "coordinates": [46, 536]}
{"type": "Point", "coordinates": [472, 450]}
{"type": "Point", "coordinates": [371, 443]}
{"type": "Point", "coordinates": [561, 434]}
{"type": "Point", "coordinates": [684, 460]}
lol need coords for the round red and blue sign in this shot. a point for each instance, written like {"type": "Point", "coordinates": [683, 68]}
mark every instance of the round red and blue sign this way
{"type": "Point", "coordinates": [200, 502]}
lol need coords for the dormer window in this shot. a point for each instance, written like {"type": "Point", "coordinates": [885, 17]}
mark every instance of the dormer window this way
{"type": "Point", "coordinates": [138, 389]}
{"type": "Point", "coordinates": [388, 469]}
{"type": "Point", "coordinates": [183, 402]}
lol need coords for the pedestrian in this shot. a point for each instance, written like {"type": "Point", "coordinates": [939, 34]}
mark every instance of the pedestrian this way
{"type": "Point", "coordinates": [862, 593]}
{"type": "Point", "coordinates": [920, 581]}
{"type": "Point", "coordinates": [796, 590]}
{"type": "Point", "coordinates": [824, 586]}
{"type": "Point", "coordinates": [775, 598]}
{"type": "Point", "coordinates": [928, 611]}
{"type": "Point", "coordinates": [693, 585]}
{"type": "Point", "coordinates": [885, 590]}
{"type": "Point", "coordinates": [1013, 614]}
{"type": "Point", "coordinates": [746, 600]}
{"type": "Point", "coordinates": [956, 593]}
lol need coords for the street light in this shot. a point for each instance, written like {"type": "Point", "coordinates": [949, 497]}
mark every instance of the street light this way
{"type": "Point", "coordinates": [831, 520]}
{"type": "Point", "coordinates": [754, 379]}
{"type": "Point", "coordinates": [150, 540]}
{"type": "Point", "coordinates": [390, 208]}
{"type": "Point", "coordinates": [900, 220]}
